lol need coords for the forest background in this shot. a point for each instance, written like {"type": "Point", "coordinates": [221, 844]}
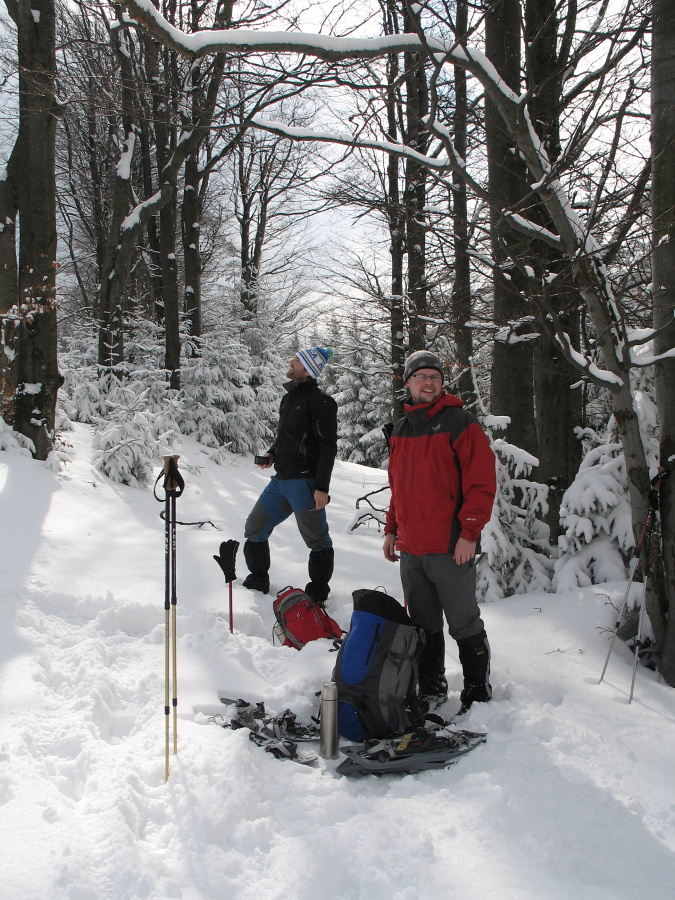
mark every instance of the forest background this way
{"type": "Point", "coordinates": [193, 191]}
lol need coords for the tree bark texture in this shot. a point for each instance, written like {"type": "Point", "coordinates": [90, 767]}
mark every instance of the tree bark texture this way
{"type": "Point", "coordinates": [254, 165]}
{"type": "Point", "coordinates": [461, 290]}
{"type": "Point", "coordinates": [557, 405]}
{"type": "Point", "coordinates": [118, 255]}
{"type": "Point", "coordinates": [512, 373]}
{"type": "Point", "coordinates": [9, 208]}
{"type": "Point", "coordinates": [163, 84]}
{"type": "Point", "coordinates": [416, 108]}
{"type": "Point", "coordinates": [192, 258]}
{"type": "Point", "coordinates": [396, 225]}
{"type": "Point", "coordinates": [663, 267]}
{"type": "Point", "coordinates": [37, 373]}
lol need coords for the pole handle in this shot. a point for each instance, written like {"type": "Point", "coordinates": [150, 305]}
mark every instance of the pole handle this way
{"type": "Point", "coordinates": [173, 480]}
{"type": "Point", "coordinates": [174, 483]}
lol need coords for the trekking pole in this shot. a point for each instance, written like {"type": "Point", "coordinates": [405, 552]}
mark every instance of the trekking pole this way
{"type": "Point", "coordinates": [174, 601]}
{"type": "Point", "coordinates": [637, 552]}
{"type": "Point", "coordinates": [173, 487]}
{"type": "Point", "coordinates": [226, 560]}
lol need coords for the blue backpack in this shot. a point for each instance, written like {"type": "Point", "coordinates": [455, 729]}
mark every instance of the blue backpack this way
{"type": "Point", "coordinates": [376, 669]}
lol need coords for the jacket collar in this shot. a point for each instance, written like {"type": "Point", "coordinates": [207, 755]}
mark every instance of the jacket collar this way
{"type": "Point", "coordinates": [431, 409]}
{"type": "Point", "coordinates": [291, 386]}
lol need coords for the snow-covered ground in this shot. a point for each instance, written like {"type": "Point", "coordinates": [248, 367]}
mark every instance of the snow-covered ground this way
{"type": "Point", "coordinates": [573, 795]}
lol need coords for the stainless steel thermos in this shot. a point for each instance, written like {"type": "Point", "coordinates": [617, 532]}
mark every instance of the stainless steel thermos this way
{"type": "Point", "coordinates": [329, 721]}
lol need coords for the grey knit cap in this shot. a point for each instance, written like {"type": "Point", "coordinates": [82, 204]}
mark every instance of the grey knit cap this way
{"type": "Point", "coordinates": [421, 359]}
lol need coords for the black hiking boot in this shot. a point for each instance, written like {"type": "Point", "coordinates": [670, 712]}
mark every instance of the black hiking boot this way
{"type": "Point", "coordinates": [474, 693]}
{"type": "Point", "coordinates": [474, 655]}
{"type": "Point", "coordinates": [257, 583]}
{"type": "Point", "coordinates": [257, 556]}
{"type": "Point", "coordinates": [433, 694]}
{"type": "Point", "coordinates": [318, 593]}
{"type": "Point", "coordinates": [320, 570]}
{"type": "Point", "coordinates": [433, 685]}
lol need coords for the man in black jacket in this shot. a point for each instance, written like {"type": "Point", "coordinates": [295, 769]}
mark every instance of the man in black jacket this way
{"type": "Point", "coordinates": [302, 454]}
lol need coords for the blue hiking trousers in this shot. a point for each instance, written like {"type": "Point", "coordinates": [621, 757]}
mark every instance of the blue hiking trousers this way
{"type": "Point", "coordinates": [282, 497]}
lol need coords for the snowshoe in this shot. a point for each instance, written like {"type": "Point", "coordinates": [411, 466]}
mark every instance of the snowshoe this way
{"type": "Point", "coordinates": [297, 731]}
{"type": "Point", "coordinates": [254, 715]}
{"type": "Point", "coordinates": [417, 751]}
{"type": "Point", "coordinates": [284, 748]}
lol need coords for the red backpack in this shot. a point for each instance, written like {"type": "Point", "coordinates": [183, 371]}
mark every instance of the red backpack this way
{"type": "Point", "coordinates": [301, 620]}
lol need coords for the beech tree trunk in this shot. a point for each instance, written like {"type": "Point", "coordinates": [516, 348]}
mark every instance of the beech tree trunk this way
{"type": "Point", "coordinates": [31, 383]}
{"type": "Point", "coordinates": [663, 266]}
{"type": "Point", "coordinates": [557, 404]}
{"type": "Point", "coordinates": [9, 208]}
{"type": "Point", "coordinates": [163, 81]}
{"type": "Point", "coordinates": [461, 291]}
{"type": "Point", "coordinates": [396, 225]}
{"type": "Point", "coordinates": [192, 258]}
{"type": "Point", "coordinates": [512, 373]}
{"type": "Point", "coordinates": [118, 255]}
{"type": "Point", "coordinates": [416, 108]}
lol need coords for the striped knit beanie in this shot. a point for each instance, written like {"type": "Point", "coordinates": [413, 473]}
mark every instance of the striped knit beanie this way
{"type": "Point", "coordinates": [314, 359]}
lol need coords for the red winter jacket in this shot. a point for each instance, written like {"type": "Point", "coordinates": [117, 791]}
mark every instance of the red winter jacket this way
{"type": "Point", "coordinates": [442, 477]}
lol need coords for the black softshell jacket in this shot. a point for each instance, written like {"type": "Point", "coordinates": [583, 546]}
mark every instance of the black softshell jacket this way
{"type": "Point", "coordinates": [306, 441]}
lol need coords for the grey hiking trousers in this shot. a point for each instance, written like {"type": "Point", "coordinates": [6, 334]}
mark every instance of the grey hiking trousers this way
{"type": "Point", "coordinates": [434, 585]}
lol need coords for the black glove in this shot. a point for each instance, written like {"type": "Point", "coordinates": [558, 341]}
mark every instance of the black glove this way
{"type": "Point", "coordinates": [225, 559]}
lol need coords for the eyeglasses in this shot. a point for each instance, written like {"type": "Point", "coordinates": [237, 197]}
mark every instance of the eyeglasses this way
{"type": "Point", "coordinates": [427, 377]}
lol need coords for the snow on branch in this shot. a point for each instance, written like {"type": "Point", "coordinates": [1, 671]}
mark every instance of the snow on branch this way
{"type": "Point", "coordinates": [321, 46]}
{"type": "Point", "coordinates": [639, 337]}
{"type": "Point", "coordinates": [532, 229]}
{"type": "Point", "coordinates": [601, 377]}
{"type": "Point", "coordinates": [644, 361]}
{"type": "Point", "coordinates": [126, 157]}
{"type": "Point", "coordinates": [297, 133]}
{"type": "Point", "coordinates": [142, 212]}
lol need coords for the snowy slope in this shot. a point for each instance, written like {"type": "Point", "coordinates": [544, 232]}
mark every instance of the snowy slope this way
{"type": "Point", "coordinates": [572, 796]}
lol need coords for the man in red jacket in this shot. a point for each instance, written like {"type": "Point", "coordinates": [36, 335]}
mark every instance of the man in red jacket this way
{"type": "Point", "coordinates": [443, 484]}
